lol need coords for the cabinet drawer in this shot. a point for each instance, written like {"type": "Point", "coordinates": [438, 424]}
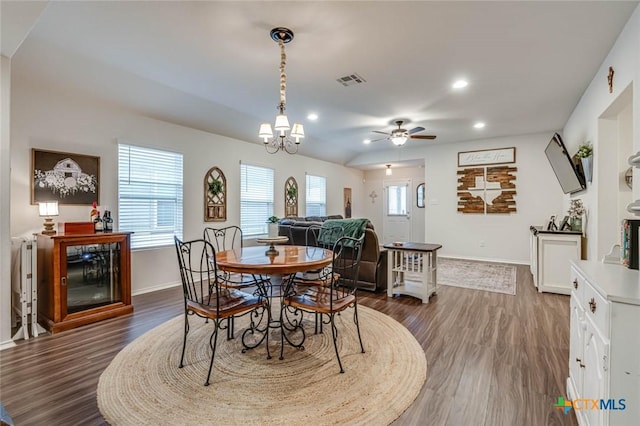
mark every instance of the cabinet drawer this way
{"type": "Point", "coordinates": [577, 284]}
{"type": "Point", "coordinates": [596, 308]}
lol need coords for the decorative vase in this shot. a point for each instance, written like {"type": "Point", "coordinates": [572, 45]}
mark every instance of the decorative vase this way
{"type": "Point", "coordinates": [587, 167]}
{"type": "Point", "coordinates": [273, 230]}
{"type": "Point", "coordinates": [576, 223]}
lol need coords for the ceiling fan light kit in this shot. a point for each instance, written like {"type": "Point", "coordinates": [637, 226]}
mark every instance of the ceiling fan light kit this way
{"type": "Point", "coordinates": [281, 142]}
{"type": "Point", "coordinates": [400, 136]}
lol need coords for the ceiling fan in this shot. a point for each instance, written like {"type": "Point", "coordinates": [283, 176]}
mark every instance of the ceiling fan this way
{"type": "Point", "coordinates": [399, 136]}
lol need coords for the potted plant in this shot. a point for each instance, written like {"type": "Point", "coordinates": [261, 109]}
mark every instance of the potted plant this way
{"type": "Point", "coordinates": [215, 187]}
{"type": "Point", "coordinates": [585, 154]}
{"type": "Point", "coordinates": [576, 210]}
{"type": "Point", "coordinates": [273, 226]}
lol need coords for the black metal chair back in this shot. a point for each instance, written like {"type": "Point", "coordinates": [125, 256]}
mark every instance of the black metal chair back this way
{"type": "Point", "coordinates": [198, 270]}
{"type": "Point", "coordinates": [324, 236]}
{"type": "Point", "coordinates": [227, 238]}
{"type": "Point", "coordinates": [347, 253]}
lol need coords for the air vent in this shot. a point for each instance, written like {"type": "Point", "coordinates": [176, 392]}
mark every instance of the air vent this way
{"type": "Point", "coordinates": [350, 80]}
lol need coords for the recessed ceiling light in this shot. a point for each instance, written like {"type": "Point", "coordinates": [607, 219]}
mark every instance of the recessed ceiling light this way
{"type": "Point", "coordinates": [312, 116]}
{"type": "Point", "coordinates": [366, 141]}
{"type": "Point", "coordinates": [459, 84]}
{"type": "Point", "coordinates": [479, 125]}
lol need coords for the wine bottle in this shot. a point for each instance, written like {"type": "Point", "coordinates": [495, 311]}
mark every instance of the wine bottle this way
{"type": "Point", "coordinates": [107, 225]}
{"type": "Point", "coordinates": [94, 211]}
{"type": "Point", "coordinates": [97, 223]}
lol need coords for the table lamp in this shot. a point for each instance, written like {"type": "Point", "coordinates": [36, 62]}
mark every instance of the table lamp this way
{"type": "Point", "coordinates": [48, 209]}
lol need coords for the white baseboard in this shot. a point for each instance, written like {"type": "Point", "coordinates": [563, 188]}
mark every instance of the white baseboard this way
{"type": "Point", "coordinates": [484, 259]}
{"type": "Point", "coordinates": [7, 344]}
{"type": "Point", "coordinates": [156, 288]}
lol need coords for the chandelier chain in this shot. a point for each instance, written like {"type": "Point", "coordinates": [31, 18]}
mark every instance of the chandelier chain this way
{"type": "Point", "coordinates": [283, 76]}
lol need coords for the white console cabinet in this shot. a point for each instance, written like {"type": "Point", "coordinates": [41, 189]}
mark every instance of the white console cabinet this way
{"type": "Point", "coordinates": [551, 253]}
{"type": "Point", "coordinates": [604, 344]}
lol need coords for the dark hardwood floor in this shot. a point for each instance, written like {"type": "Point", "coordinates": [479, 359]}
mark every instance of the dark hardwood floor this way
{"type": "Point", "coordinates": [493, 359]}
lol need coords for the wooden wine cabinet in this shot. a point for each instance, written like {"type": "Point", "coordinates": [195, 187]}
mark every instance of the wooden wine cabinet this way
{"type": "Point", "coordinates": [83, 278]}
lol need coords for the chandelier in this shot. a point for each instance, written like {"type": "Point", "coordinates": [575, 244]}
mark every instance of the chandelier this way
{"type": "Point", "coordinates": [281, 141]}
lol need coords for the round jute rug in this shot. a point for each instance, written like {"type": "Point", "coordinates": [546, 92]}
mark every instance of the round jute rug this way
{"type": "Point", "coordinates": [143, 384]}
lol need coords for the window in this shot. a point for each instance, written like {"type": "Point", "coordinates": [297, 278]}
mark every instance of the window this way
{"type": "Point", "coordinates": [256, 199]}
{"type": "Point", "coordinates": [149, 195]}
{"type": "Point", "coordinates": [397, 200]}
{"type": "Point", "coordinates": [316, 196]}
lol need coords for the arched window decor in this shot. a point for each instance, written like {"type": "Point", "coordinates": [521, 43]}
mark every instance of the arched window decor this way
{"type": "Point", "coordinates": [215, 196]}
{"type": "Point", "coordinates": [291, 197]}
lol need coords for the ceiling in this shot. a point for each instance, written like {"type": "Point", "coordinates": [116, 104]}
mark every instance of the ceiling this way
{"type": "Point", "coordinates": [212, 65]}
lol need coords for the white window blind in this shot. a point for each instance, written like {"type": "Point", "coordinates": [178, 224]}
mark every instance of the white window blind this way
{"type": "Point", "coordinates": [316, 196]}
{"type": "Point", "coordinates": [256, 199]}
{"type": "Point", "coordinates": [149, 195]}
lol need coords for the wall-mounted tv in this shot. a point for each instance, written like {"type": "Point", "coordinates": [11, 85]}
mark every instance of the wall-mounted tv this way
{"type": "Point", "coordinates": [570, 178]}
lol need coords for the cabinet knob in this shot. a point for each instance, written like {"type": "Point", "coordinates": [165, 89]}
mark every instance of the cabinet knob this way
{"type": "Point", "coordinates": [592, 305]}
{"type": "Point", "coordinates": [63, 281]}
{"type": "Point", "coordinates": [575, 283]}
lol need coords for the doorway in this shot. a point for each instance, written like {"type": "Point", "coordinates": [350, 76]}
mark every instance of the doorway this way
{"type": "Point", "coordinates": [396, 218]}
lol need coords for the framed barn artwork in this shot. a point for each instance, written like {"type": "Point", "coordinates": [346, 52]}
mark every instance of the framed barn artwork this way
{"type": "Point", "coordinates": [72, 179]}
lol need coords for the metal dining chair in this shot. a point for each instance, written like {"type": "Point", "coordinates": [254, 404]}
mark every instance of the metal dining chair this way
{"type": "Point", "coordinates": [231, 238]}
{"type": "Point", "coordinates": [328, 300]}
{"type": "Point", "coordinates": [206, 296]}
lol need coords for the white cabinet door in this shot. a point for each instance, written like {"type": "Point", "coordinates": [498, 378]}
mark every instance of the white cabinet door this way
{"type": "Point", "coordinates": [533, 257]}
{"type": "Point", "coordinates": [576, 345]}
{"type": "Point", "coordinates": [596, 375]}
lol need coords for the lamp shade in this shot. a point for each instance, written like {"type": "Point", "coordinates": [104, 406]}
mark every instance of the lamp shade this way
{"type": "Point", "coordinates": [48, 208]}
{"type": "Point", "coordinates": [388, 172]}
{"type": "Point", "coordinates": [297, 131]}
{"type": "Point", "coordinates": [265, 131]}
{"type": "Point", "coordinates": [282, 123]}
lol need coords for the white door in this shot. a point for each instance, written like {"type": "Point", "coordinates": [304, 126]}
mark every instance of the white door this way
{"type": "Point", "coordinates": [396, 222]}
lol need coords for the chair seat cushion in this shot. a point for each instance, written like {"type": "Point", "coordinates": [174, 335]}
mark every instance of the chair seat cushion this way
{"type": "Point", "coordinates": [318, 299]}
{"type": "Point", "coordinates": [232, 302]}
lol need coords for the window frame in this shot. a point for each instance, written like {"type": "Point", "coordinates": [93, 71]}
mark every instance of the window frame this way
{"type": "Point", "coordinates": [308, 195]}
{"type": "Point", "coordinates": [269, 206]}
{"type": "Point", "coordinates": [134, 195]}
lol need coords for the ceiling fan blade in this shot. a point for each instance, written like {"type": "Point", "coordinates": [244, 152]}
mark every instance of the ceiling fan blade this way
{"type": "Point", "coordinates": [380, 139]}
{"type": "Point", "coordinates": [378, 131]}
{"type": "Point", "coordinates": [422, 136]}
{"type": "Point", "coordinates": [416, 130]}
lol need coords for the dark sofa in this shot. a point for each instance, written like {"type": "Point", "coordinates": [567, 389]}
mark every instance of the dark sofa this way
{"type": "Point", "coordinates": [373, 265]}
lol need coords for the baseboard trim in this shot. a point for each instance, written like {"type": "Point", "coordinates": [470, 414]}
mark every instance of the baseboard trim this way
{"type": "Point", "coordinates": [485, 259]}
{"type": "Point", "coordinates": [7, 344]}
{"type": "Point", "coordinates": [156, 288]}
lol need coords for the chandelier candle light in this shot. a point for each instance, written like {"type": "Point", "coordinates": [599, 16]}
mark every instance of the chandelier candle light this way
{"type": "Point", "coordinates": [281, 141]}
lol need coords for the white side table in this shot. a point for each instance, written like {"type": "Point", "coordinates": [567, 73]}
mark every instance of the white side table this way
{"type": "Point", "coordinates": [412, 269]}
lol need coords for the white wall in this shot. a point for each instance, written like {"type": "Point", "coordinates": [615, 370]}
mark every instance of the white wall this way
{"type": "Point", "coordinates": [43, 117]}
{"type": "Point", "coordinates": [505, 236]}
{"type": "Point", "coordinates": [5, 201]}
{"type": "Point", "coordinates": [375, 210]}
{"type": "Point", "coordinates": [584, 125]}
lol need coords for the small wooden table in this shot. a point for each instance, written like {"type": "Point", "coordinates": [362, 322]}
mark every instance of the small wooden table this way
{"type": "Point", "coordinates": [412, 269]}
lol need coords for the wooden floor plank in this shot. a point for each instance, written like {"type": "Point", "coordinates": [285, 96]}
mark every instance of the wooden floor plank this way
{"type": "Point", "coordinates": [493, 359]}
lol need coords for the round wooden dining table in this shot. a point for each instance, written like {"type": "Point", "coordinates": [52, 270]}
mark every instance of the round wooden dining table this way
{"type": "Point", "coordinates": [277, 260]}
{"type": "Point", "coordinates": [289, 259]}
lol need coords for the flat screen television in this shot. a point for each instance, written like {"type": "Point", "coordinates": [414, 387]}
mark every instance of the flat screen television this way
{"type": "Point", "coordinates": [570, 177]}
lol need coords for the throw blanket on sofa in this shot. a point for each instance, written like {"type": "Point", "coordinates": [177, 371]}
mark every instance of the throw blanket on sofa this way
{"type": "Point", "coordinates": [352, 228]}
